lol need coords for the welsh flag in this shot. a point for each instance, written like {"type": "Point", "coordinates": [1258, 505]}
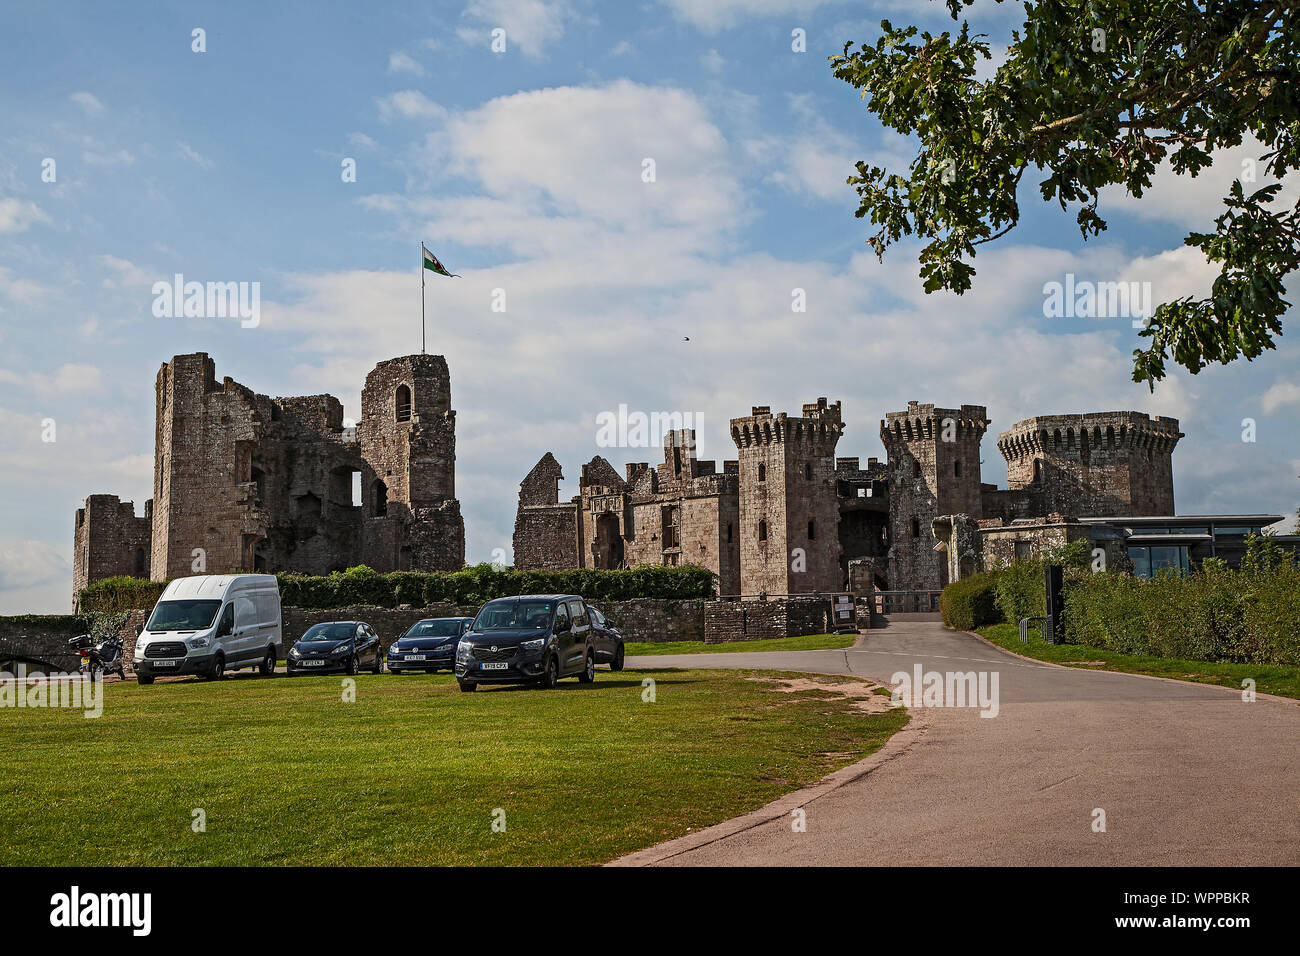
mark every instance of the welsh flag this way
{"type": "Point", "coordinates": [431, 263]}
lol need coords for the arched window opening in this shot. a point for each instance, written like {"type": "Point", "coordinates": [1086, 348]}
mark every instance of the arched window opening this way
{"type": "Point", "coordinates": [381, 500]}
{"type": "Point", "coordinates": [403, 403]}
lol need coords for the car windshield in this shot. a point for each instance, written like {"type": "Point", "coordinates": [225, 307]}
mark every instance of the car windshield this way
{"type": "Point", "coordinates": [514, 615]}
{"type": "Point", "coordinates": [444, 628]}
{"type": "Point", "coordinates": [329, 632]}
{"type": "Point", "coordinates": [183, 615]}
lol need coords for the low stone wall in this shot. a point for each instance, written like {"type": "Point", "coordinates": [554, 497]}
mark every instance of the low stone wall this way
{"type": "Point", "coordinates": [40, 641]}
{"type": "Point", "coordinates": [656, 619]}
{"type": "Point", "coordinates": [726, 621]}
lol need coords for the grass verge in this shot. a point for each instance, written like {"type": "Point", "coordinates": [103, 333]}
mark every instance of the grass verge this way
{"type": "Point", "coordinates": [1269, 678]}
{"type": "Point", "coordinates": [806, 642]}
{"type": "Point", "coordinates": [412, 771]}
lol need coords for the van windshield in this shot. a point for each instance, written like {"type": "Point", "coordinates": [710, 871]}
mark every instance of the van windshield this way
{"type": "Point", "coordinates": [183, 615]}
{"type": "Point", "coordinates": [514, 615]}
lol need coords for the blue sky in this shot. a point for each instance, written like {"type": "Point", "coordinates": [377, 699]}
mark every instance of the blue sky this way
{"type": "Point", "coordinates": [522, 170]}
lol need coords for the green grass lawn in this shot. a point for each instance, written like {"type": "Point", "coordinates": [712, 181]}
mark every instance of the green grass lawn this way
{"type": "Point", "coordinates": [1269, 678]}
{"type": "Point", "coordinates": [412, 771]}
{"type": "Point", "coordinates": [808, 642]}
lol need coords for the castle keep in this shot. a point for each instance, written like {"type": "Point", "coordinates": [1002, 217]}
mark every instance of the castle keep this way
{"type": "Point", "coordinates": [789, 517]}
{"type": "Point", "coordinates": [247, 482]}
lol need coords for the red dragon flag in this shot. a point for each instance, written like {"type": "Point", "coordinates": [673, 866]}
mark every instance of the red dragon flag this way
{"type": "Point", "coordinates": [433, 265]}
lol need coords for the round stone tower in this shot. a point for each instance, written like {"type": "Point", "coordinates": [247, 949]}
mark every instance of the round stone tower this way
{"type": "Point", "coordinates": [1094, 465]}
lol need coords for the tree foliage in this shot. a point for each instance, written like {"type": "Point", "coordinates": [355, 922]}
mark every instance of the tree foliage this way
{"type": "Point", "coordinates": [1094, 94]}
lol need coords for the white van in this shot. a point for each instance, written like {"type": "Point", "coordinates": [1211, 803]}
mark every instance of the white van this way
{"type": "Point", "coordinates": [210, 624]}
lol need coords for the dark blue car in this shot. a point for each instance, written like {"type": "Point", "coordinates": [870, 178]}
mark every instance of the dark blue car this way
{"type": "Point", "coordinates": [428, 645]}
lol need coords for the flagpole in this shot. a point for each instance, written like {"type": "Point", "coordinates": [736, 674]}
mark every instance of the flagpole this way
{"type": "Point", "coordinates": [422, 352]}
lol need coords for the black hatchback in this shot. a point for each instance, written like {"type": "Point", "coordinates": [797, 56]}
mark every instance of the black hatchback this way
{"type": "Point", "coordinates": [428, 645]}
{"type": "Point", "coordinates": [344, 646]}
{"type": "Point", "coordinates": [533, 638]}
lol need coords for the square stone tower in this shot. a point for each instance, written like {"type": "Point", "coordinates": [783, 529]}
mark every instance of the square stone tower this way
{"type": "Point", "coordinates": [789, 512]}
{"type": "Point", "coordinates": [934, 469]}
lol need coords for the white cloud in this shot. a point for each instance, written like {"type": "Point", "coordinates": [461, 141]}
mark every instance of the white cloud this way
{"type": "Point", "coordinates": [409, 104]}
{"type": "Point", "coordinates": [19, 290]}
{"type": "Point", "coordinates": [16, 215]}
{"type": "Point", "coordinates": [126, 274]}
{"type": "Point", "coordinates": [621, 48]}
{"type": "Point", "coordinates": [35, 574]}
{"type": "Point", "coordinates": [714, 62]}
{"type": "Point", "coordinates": [88, 102]}
{"type": "Point", "coordinates": [711, 16]}
{"type": "Point", "coordinates": [1279, 395]}
{"type": "Point", "coordinates": [194, 156]}
{"type": "Point", "coordinates": [531, 25]}
{"type": "Point", "coordinates": [118, 158]}
{"type": "Point", "coordinates": [69, 377]}
{"type": "Point", "coordinates": [399, 62]}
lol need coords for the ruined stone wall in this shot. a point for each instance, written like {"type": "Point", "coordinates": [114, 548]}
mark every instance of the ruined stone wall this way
{"type": "Point", "coordinates": [256, 483]}
{"type": "Point", "coordinates": [863, 495]}
{"type": "Point", "coordinates": [109, 540]}
{"type": "Point", "coordinates": [934, 466]}
{"type": "Point", "coordinates": [546, 537]}
{"type": "Point", "coordinates": [1003, 545]}
{"type": "Point", "coordinates": [1094, 465]}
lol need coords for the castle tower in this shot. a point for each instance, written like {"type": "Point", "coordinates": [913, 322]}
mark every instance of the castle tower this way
{"type": "Point", "coordinates": [1094, 465]}
{"type": "Point", "coordinates": [789, 513]}
{"type": "Point", "coordinates": [108, 539]}
{"type": "Point", "coordinates": [934, 469]}
{"type": "Point", "coordinates": [407, 435]}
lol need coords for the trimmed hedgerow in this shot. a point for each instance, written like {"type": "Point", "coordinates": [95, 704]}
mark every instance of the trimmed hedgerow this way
{"type": "Point", "coordinates": [1212, 614]}
{"type": "Point", "coordinates": [971, 602]}
{"type": "Point", "coordinates": [1021, 588]}
{"type": "Point", "coordinates": [471, 585]}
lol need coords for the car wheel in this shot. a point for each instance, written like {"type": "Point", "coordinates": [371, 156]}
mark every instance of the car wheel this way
{"type": "Point", "coordinates": [354, 666]}
{"type": "Point", "coordinates": [617, 663]}
{"type": "Point", "coordinates": [379, 663]}
{"type": "Point", "coordinates": [268, 663]}
{"type": "Point", "coordinates": [588, 670]}
{"type": "Point", "coordinates": [218, 669]}
{"type": "Point", "coordinates": [142, 679]}
{"type": "Point", "coordinates": [467, 686]}
{"type": "Point", "coordinates": [551, 675]}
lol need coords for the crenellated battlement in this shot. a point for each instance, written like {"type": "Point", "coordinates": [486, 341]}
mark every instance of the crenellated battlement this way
{"type": "Point", "coordinates": [1095, 431]}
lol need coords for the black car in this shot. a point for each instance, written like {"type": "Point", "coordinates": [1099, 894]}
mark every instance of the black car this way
{"type": "Point", "coordinates": [428, 645]}
{"type": "Point", "coordinates": [606, 640]}
{"type": "Point", "coordinates": [345, 646]}
{"type": "Point", "coordinates": [533, 638]}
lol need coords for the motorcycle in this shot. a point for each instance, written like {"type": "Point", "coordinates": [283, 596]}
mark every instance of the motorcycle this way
{"type": "Point", "coordinates": [98, 659]}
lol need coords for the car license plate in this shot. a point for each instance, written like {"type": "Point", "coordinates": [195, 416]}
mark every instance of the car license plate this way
{"type": "Point", "coordinates": [415, 657]}
{"type": "Point", "coordinates": [165, 663]}
{"type": "Point", "coordinates": [313, 663]}
{"type": "Point", "coordinates": [495, 666]}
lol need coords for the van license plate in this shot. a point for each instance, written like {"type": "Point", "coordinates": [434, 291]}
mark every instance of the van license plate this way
{"type": "Point", "coordinates": [165, 663]}
{"type": "Point", "coordinates": [495, 666]}
{"type": "Point", "coordinates": [415, 657]}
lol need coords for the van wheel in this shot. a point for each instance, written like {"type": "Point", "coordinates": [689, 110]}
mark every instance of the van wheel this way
{"type": "Point", "coordinates": [588, 669]}
{"type": "Point", "coordinates": [550, 676]}
{"type": "Point", "coordinates": [268, 664]}
{"type": "Point", "coordinates": [354, 666]}
{"type": "Point", "coordinates": [467, 686]}
{"type": "Point", "coordinates": [142, 679]}
{"type": "Point", "coordinates": [218, 670]}
{"type": "Point", "coordinates": [617, 663]}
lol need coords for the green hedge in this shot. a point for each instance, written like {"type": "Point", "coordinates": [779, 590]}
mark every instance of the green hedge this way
{"type": "Point", "coordinates": [1214, 614]}
{"type": "Point", "coordinates": [72, 624]}
{"type": "Point", "coordinates": [971, 602]}
{"type": "Point", "coordinates": [1022, 591]}
{"type": "Point", "coordinates": [471, 585]}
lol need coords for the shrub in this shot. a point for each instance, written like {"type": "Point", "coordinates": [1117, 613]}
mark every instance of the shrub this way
{"type": "Point", "coordinates": [971, 602]}
{"type": "Point", "coordinates": [468, 586]}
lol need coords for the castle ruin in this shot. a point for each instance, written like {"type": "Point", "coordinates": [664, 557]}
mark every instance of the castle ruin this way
{"type": "Point", "coordinates": [247, 482]}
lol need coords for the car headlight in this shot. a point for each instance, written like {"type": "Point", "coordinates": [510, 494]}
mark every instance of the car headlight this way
{"type": "Point", "coordinates": [463, 649]}
{"type": "Point", "coordinates": [394, 649]}
{"type": "Point", "coordinates": [534, 645]}
{"type": "Point", "coordinates": [198, 642]}
{"type": "Point", "coordinates": [293, 651]}
{"type": "Point", "coordinates": [342, 648]}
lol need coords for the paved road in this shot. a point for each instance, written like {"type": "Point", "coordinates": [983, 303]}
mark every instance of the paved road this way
{"type": "Point", "coordinates": [1186, 773]}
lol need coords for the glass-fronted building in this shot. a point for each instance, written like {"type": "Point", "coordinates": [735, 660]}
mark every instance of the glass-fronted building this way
{"type": "Point", "coordinates": [1180, 543]}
